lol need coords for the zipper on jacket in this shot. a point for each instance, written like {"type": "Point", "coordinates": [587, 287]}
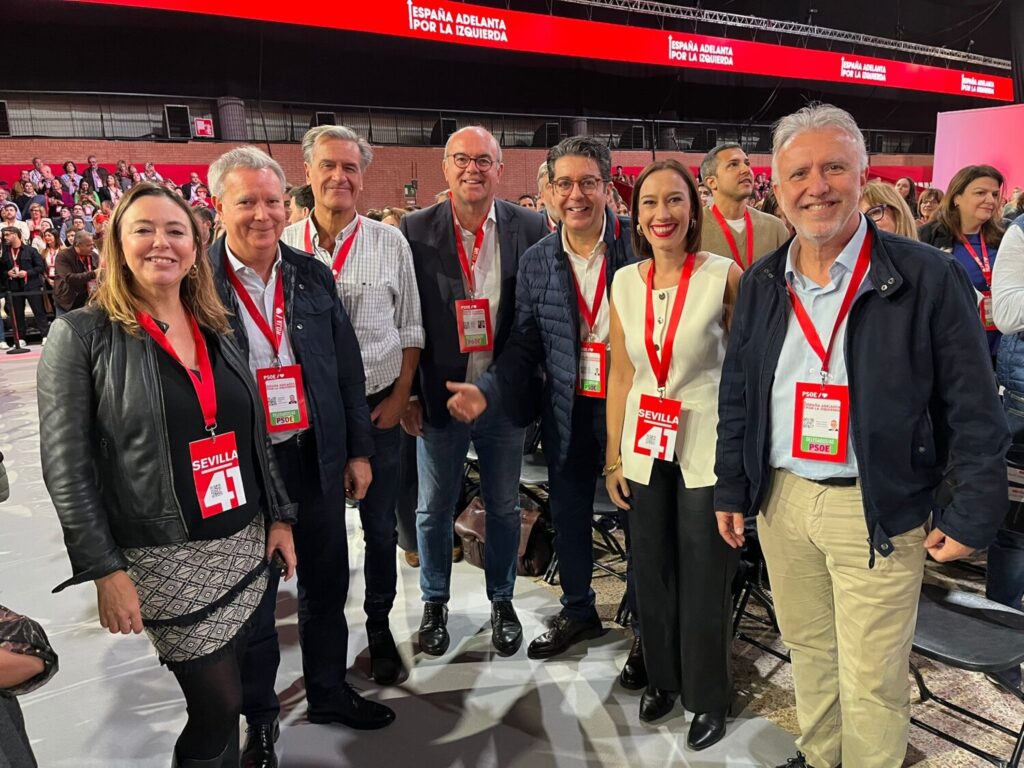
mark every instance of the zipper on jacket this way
{"type": "Point", "coordinates": [766, 383]}
{"type": "Point", "coordinates": [854, 431]}
{"type": "Point", "coordinates": [164, 442]}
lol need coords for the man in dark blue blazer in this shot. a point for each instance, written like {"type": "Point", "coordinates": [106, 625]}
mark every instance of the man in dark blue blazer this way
{"type": "Point", "coordinates": [466, 253]}
{"type": "Point", "coordinates": [288, 319]}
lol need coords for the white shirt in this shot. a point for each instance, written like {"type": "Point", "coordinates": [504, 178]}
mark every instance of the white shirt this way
{"type": "Point", "coordinates": [1008, 282]}
{"type": "Point", "coordinates": [588, 272]}
{"type": "Point", "coordinates": [487, 277]}
{"type": "Point", "coordinates": [261, 353]}
{"type": "Point", "coordinates": [377, 287]}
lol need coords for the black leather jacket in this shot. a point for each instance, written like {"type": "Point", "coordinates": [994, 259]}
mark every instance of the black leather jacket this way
{"type": "Point", "coordinates": [103, 443]}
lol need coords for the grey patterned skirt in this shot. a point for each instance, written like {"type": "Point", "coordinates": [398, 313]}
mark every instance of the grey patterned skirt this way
{"type": "Point", "coordinates": [196, 597]}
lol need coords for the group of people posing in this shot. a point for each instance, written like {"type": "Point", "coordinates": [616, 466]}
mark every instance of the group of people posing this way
{"type": "Point", "coordinates": [712, 369]}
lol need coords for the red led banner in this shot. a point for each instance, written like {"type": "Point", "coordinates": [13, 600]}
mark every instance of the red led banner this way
{"type": "Point", "coordinates": [535, 33]}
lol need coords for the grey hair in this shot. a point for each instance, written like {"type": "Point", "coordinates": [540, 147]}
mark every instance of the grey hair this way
{"type": "Point", "coordinates": [240, 157]}
{"type": "Point", "coordinates": [479, 128]}
{"type": "Point", "coordinates": [340, 132]}
{"type": "Point", "coordinates": [582, 146]}
{"type": "Point", "coordinates": [542, 176]}
{"type": "Point", "coordinates": [709, 165]}
{"type": "Point", "coordinates": [81, 236]}
{"type": "Point", "coordinates": [816, 117]}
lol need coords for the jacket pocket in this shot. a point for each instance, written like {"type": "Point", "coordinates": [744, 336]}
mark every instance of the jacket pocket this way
{"type": "Point", "coordinates": [922, 444]}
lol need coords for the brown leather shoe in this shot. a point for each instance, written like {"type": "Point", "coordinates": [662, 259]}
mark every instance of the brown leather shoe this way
{"type": "Point", "coordinates": [413, 559]}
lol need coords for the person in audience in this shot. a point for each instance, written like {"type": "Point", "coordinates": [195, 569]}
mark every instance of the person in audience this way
{"type": "Point", "coordinates": [18, 189]}
{"type": "Point", "coordinates": [50, 247]}
{"type": "Point", "coordinates": [574, 268]}
{"type": "Point", "coordinates": [706, 198]}
{"type": "Point", "coordinates": [660, 470]}
{"type": "Point", "coordinates": [27, 662]}
{"type": "Point", "coordinates": [26, 274]}
{"type": "Point", "coordinates": [9, 218]}
{"type": "Point", "coordinates": [207, 218]}
{"type": "Point", "coordinates": [35, 218]}
{"type": "Point", "coordinates": [927, 205]}
{"type": "Point", "coordinates": [1014, 207]}
{"type": "Point", "coordinates": [906, 188]}
{"type": "Point", "coordinates": [76, 273]}
{"type": "Point", "coordinates": [527, 201]}
{"type": "Point", "coordinates": [811, 441]}
{"type": "Point", "coordinates": [35, 174]}
{"type": "Point", "coordinates": [87, 197]}
{"type": "Point", "coordinates": [70, 178]}
{"type": "Point", "coordinates": [393, 216]}
{"type": "Point", "coordinates": [72, 225]}
{"type": "Point", "coordinates": [136, 177]}
{"type": "Point", "coordinates": [200, 197]}
{"type": "Point", "coordinates": [883, 205]}
{"type": "Point", "coordinates": [28, 198]}
{"type": "Point", "coordinates": [545, 194]}
{"type": "Point", "coordinates": [123, 175]}
{"type": "Point", "coordinates": [94, 174]}
{"type": "Point", "coordinates": [302, 203]}
{"type": "Point", "coordinates": [373, 271]}
{"type": "Point", "coordinates": [150, 173]}
{"type": "Point", "coordinates": [738, 230]}
{"type": "Point", "coordinates": [1004, 580]}
{"type": "Point", "coordinates": [189, 187]}
{"type": "Point", "coordinates": [156, 319]}
{"type": "Point", "coordinates": [477, 240]}
{"type": "Point", "coordinates": [288, 320]}
{"type": "Point", "coordinates": [968, 225]}
{"type": "Point", "coordinates": [5, 197]}
{"type": "Point", "coordinates": [57, 198]}
{"type": "Point", "coordinates": [111, 190]}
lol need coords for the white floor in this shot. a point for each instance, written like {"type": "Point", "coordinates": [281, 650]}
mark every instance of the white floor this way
{"type": "Point", "coordinates": [112, 705]}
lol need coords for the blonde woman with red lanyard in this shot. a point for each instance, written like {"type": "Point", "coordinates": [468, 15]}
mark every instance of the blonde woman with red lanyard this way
{"type": "Point", "coordinates": [669, 324]}
{"type": "Point", "coordinates": [156, 456]}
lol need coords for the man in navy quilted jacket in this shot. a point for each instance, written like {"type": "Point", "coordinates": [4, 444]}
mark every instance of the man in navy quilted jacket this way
{"type": "Point", "coordinates": [562, 292]}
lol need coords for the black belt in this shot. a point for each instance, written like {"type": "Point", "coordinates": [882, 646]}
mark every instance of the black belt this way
{"type": "Point", "coordinates": [379, 397]}
{"type": "Point", "coordinates": [838, 482]}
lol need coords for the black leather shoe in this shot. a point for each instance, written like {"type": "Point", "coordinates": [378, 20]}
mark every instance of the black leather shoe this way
{"type": "Point", "coordinates": [385, 662]}
{"type": "Point", "coordinates": [563, 633]}
{"type": "Point", "coordinates": [634, 672]}
{"type": "Point", "coordinates": [796, 762]}
{"type": "Point", "coordinates": [506, 631]}
{"type": "Point", "coordinates": [259, 746]}
{"type": "Point", "coordinates": [705, 729]}
{"type": "Point", "coordinates": [433, 635]}
{"type": "Point", "coordinates": [655, 704]}
{"type": "Point", "coordinates": [353, 710]}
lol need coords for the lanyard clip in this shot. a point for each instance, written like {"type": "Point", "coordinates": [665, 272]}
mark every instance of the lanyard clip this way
{"type": "Point", "coordinates": [277, 362]}
{"type": "Point", "coordinates": [212, 429]}
{"type": "Point", "coordinates": [824, 376]}
{"type": "Point", "coordinates": [661, 393]}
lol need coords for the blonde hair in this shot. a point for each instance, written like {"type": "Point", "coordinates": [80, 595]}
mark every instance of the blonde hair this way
{"type": "Point", "coordinates": [879, 193]}
{"type": "Point", "coordinates": [117, 295]}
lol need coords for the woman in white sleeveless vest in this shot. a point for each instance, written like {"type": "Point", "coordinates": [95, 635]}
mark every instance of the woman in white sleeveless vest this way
{"type": "Point", "coordinates": [669, 325]}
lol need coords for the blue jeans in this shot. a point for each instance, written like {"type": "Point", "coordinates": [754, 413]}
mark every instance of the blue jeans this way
{"type": "Point", "coordinates": [440, 456]}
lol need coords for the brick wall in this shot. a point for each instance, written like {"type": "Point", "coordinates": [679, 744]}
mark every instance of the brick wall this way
{"type": "Point", "coordinates": [392, 167]}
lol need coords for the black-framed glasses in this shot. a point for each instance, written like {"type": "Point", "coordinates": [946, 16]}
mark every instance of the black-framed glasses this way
{"type": "Point", "coordinates": [588, 185]}
{"type": "Point", "coordinates": [877, 212]}
{"type": "Point", "coordinates": [462, 161]}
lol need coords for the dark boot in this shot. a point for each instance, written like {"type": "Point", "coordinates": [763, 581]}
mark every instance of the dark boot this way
{"type": "Point", "coordinates": [227, 759]}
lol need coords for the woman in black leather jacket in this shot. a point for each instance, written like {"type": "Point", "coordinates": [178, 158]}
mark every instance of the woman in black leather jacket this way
{"type": "Point", "coordinates": [156, 457]}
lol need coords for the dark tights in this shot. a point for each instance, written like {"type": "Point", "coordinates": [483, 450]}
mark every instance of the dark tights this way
{"type": "Point", "coordinates": [213, 697]}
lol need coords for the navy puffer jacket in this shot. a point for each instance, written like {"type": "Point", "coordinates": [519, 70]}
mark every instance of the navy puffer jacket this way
{"type": "Point", "coordinates": [546, 332]}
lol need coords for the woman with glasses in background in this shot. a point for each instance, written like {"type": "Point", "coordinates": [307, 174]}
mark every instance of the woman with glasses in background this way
{"type": "Point", "coordinates": [927, 205]}
{"type": "Point", "coordinates": [890, 212]}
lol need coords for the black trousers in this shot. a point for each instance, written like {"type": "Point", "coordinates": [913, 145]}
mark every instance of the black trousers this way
{"type": "Point", "coordinates": [321, 545]}
{"type": "Point", "coordinates": [684, 575]}
{"type": "Point", "coordinates": [408, 484]}
{"type": "Point", "coordinates": [38, 314]}
{"type": "Point", "coordinates": [380, 535]}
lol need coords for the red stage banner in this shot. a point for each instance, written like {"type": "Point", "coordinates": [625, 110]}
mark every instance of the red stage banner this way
{"type": "Point", "coordinates": [484, 27]}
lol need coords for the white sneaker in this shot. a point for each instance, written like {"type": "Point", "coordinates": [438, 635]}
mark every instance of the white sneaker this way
{"type": "Point", "coordinates": [22, 343]}
{"type": "Point", "coordinates": [4, 345]}
{"type": "Point", "coordinates": [44, 341]}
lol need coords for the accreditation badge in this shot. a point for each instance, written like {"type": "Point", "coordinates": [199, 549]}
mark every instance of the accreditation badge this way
{"type": "Point", "coordinates": [657, 424]}
{"type": "Point", "coordinates": [216, 474]}
{"type": "Point", "coordinates": [591, 380]}
{"type": "Point", "coordinates": [985, 310]}
{"type": "Point", "coordinates": [821, 422]}
{"type": "Point", "coordinates": [284, 398]}
{"type": "Point", "coordinates": [473, 317]}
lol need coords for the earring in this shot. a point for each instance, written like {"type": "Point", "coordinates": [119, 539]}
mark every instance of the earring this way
{"type": "Point", "coordinates": [194, 271]}
{"type": "Point", "coordinates": [638, 229]}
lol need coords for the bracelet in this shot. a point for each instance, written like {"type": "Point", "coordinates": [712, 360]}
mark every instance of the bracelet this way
{"type": "Point", "coordinates": [608, 470]}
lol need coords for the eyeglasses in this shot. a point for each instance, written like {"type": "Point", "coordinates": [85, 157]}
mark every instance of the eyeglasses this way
{"type": "Point", "coordinates": [877, 212]}
{"type": "Point", "coordinates": [588, 185]}
{"type": "Point", "coordinates": [483, 162]}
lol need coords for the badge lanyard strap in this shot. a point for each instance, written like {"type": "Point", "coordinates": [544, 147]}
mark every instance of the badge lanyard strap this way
{"type": "Point", "coordinates": [468, 264]}
{"type": "Point", "coordinates": [203, 384]}
{"type": "Point", "coordinates": [727, 231]}
{"type": "Point", "coordinates": [272, 335]}
{"type": "Point", "coordinates": [983, 263]}
{"type": "Point", "coordinates": [346, 245]}
{"type": "Point", "coordinates": [589, 314]}
{"type": "Point", "coordinates": [807, 325]}
{"type": "Point", "coordinates": [661, 364]}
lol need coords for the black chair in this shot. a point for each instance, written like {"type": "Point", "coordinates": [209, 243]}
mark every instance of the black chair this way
{"type": "Point", "coordinates": [968, 632]}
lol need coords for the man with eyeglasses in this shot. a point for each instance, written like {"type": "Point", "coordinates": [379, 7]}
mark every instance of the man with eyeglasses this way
{"type": "Point", "coordinates": [572, 267]}
{"type": "Point", "coordinates": [466, 252]}
{"type": "Point", "coordinates": [544, 195]}
{"type": "Point", "coordinates": [738, 230]}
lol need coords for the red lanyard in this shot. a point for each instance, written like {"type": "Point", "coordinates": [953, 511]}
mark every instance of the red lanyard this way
{"type": "Point", "coordinates": [273, 336]}
{"type": "Point", "coordinates": [552, 227]}
{"type": "Point", "coordinates": [468, 264]}
{"type": "Point", "coordinates": [661, 364]}
{"type": "Point", "coordinates": [727, 231]}
{"type": "Point", "coordinates": [589, 314]}
{"type": "Point", "coordinates": [203, 384]}
{"type": "Point", "coordinates": [983, 263]}
{"type": "Point", "coordinates": [346, 246]}
{"type": "Point", "coordinates": [807, 326]}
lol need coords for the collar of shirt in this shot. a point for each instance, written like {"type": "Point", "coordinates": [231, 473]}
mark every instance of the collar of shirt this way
{"type": "Point", "coordinates": [327, 257]}
{"type": "Point", "coordinates": [845, 262]}
{"type": "Point", "coordinates": [245, 271]}
{"type": "Point", "coordinates": [599, 248]}
{"type": "Point", "coordinates": [489, 223]}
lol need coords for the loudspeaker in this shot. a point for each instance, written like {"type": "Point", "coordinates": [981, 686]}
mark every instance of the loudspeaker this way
{"type": "Point", "coordinates": [710, 138]}
{"type": "Point", "coordinates": [547, 135]}
{"type": "Point", "coordinates": [5, 123]}
{"type": "Point", "coordinates": [323, 118]}
{"type": "Point", "coordinates": [442, 129]}
{"type": "Point", "coordinates": [177, 121]}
